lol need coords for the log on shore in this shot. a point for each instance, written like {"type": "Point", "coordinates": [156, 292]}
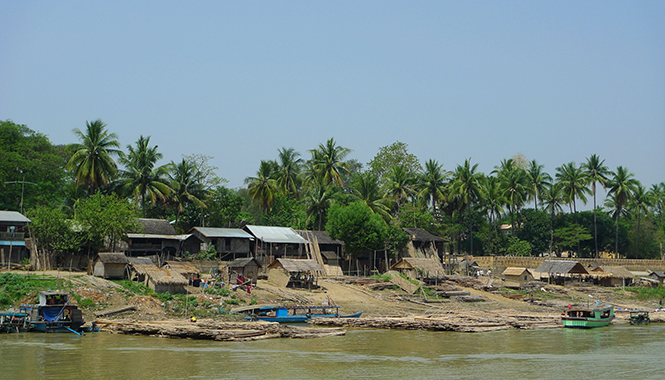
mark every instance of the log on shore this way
{"type": "Point", "coordinates": [112, 312]}
{"type": "Point", "coordinates": [219, 331]}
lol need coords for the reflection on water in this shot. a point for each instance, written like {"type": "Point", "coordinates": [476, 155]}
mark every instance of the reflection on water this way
{"type": "Point", "coordinates": [611, 352]}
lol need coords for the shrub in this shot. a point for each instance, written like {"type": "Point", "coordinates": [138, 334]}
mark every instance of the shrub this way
{"type": "Point", "coordinates": [87, 303]}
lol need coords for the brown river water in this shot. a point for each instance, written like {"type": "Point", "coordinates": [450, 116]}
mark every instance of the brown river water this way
{"type": "Point", "coordinates": [614, 352]}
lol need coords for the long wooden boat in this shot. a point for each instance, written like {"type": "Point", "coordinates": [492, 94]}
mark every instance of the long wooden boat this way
{"type": "Point", "coordinates": [292, 314]}
{"type": "Point", "coordinates": [598, 316]}
{"type": "Point", "coordinates": [54, 313]}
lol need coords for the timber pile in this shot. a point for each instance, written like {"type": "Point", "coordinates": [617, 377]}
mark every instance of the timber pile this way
{"type": "Point", "coordinates": [215, 330]}
{"type": "Point", "coordinates": [475, 321]}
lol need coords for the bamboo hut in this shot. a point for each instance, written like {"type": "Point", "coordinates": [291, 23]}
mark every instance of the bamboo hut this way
{"type": "Point", "coordinates": [247, 267]}
{"type": "Point", "coordinates": [301, 273]}
{"type": "Point", "coordinates": [165, 280]}
{"type": "Point", "coordinates": [560, 271]}
{"type": "Point", "coordinates": [517, 275]}
{"type": "Point", "coordinates": [137, 268]}
{"type": "Point", "coordinates": [109, 265]}
{"type": "Point", "coordinates": [418, 268]}
{"type": "Point", "coordinates": [185, 269]}
{"type": "Point", "coordinates": [611, 275]}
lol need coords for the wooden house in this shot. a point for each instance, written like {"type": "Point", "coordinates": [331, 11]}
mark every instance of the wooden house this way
{"type": "Point", "coordinates": [137, 268]}
{"type": "Point", "coordinates": [517, 275]}
{"type": "Point", "coordinates": [165, 280]}
{"type": "Point", "coordinates": [247, 267]}
{"type": "Point", "coordinates": [611, 275]}
{"type": "Point", "coordinates": [657, 275]}
{"type": "Point", "coordinates": [560, 271]}
{"type": "Point", "coordinates": [302, 273]}
{"type": "Point", "coordinates": [109, 265]}
{"type": "Point", "coordinates": [230, 243]}
{"type": "Point", "coordinates": [185, 269]}
{"type": "Point", "coordinates": [13, 228]}
{"type": "Point", "coordinates": [419, 268]}
{"type": "Point", "coordinates": [158, 237]}
{"type": "Point", "coordinates": [424, 243]}
{"type": "Point", "coordinates": [276, 242]}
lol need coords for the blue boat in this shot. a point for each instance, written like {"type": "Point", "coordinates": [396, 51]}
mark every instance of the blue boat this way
{"type": "Point", "coordinates": [14, 322]}
{"type": "Point", "coordinates": [292, 314]}
{"type": "Point", "coordinates": [54, 313]}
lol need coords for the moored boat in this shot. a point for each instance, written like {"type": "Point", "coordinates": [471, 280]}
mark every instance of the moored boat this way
{"type": "Point", "coordinates": [292, 314]}
{"type": "Point", "coordinates": [639, 317]}
{"type": "Point", "coordinates": [55, 313]}
{"type": "Point", "coordinates": [598, 316]}
{"type": "Point", "coordinates": [14, 322]}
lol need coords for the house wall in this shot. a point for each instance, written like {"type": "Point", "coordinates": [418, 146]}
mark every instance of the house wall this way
{"type": "Point", "coordinates": [513, 278]}
{"type": "Point", "coordinates": [98, 269]}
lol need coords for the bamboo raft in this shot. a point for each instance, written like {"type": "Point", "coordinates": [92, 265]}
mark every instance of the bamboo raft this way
{"type": "Point", "coordinates": [219, 331]}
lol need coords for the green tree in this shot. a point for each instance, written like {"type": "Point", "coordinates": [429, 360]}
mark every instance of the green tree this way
{"type": "Point", "coordinates": [263, 188]}
{"type": "Point", "coordinates": [141, 178]}
{"type": "Point", "coordinates": [104, 220]}
{"type": "Point", "coordinates": [466, 186]}
{"type": "Point", "coordinates": [658, 192]}
{"type": "Point", "coordinates": [92, 161]}
{"type": "Point", "coordinates": [514, 181]}
{"type": "Point", "coordinates": [54, 235]}
{"type": "Point", "coordinates": [366, 190]}
{"type": "Point", "coordinates": [33, 167]}
{"type": "Point", "coordinates": [328, 162]}
{"type": "Point", "coordinates": [596, 172]}
{"type": "Point", "coordinates": [432, 184]}
{"type": "Point", "coordinates": [286, 212]}
{"type": "Point", "coordinates": [400, 186]}
{"type": "Point", "coordinates": [393, 156]}
{"type": "Point", "coordinates": [493, 198]}
{"type": "Point", "coordinates": [566, 238]}
{"type": "Point", "coordinates": [538, 180]}
{"type": "Point", "coordinates": [641, 201]}
{"type": "Point", "coordinates": [318, 199]}
{"type": "Point", "coordinates": [620, 191]}
{"type": "Point", "coordinates": [573, 183]}
{"type": "Point", "coordinates": [518, 247]}
{"type": "Point", "coordinates": [536, 230]}
{"type": "Point", "coordinates": [357, 226]}
{"type": "Point", "coordinates": [187, 186]}
{"type": "Point", "coordinates": [224, 208]}
{"type": "Point", "coordinates": [288, 175]}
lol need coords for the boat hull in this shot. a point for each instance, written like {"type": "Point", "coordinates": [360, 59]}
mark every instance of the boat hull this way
{"type": "Point", "coordinates": [586, 323]}
{"type": "Point", "coordinates": [588, 318]}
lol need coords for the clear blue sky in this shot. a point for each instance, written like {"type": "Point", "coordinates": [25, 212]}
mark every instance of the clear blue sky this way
{"type": "Point", "coordinates": [556, 81]}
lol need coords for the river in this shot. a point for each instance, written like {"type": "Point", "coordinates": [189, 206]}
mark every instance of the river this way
{"type": "Point", "coordinates": [613, 352]}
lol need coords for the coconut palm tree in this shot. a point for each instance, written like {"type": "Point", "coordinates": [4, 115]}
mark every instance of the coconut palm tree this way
{"type": "Point", "coordinates": [573, 183]}
{"type": "Point", "coordinates": [140, 177]}
{"type": "Point", "coordinates": [263, 187]}
{"type": "Point", "coordinates": [493, 198]}
{"type": "Point", "coordinates": [658, 191]}
{"type": "Point", "coordinates": [538, 180]}
{"type": "Point", "coordinates": [318, 199]}
{"type": "Point", "coordinates": [328, 162]}
{"type": "Point", "coordinates": [288, 175]}
{"type": "Point", "coordinates": [621, 188]}
{"type": "Point", "coordinates": [432, 183]}
{"type": "Point", "coordinates": [366, 189]}
{"type": "Point", "coordinates": [553, 200]}
{"type": "Point", "coordinates": [186, 182]}
{"type": "Point", "coordinates": [466, 186]}
{"type": "Point", "coordinates": [400, 186]}
{"type": "Point", "coordinates": [514, 181]}
{"type": "Point", "coordinates": [642, 200]}
{"type": "Point", "coordinates": [596, 171]}
{"type": "Point", "coordinates": [92, 163]}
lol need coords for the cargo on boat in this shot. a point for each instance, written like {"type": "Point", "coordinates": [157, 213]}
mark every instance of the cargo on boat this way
{"type": "Point", "coordinates": [291, 314]}
{"type": "Point", "coordinates": [54, 313]}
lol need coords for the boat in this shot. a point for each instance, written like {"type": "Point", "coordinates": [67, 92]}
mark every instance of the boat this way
{"type": "Point", "coordinates": [55, 313]}
{"type": "Point", "coordinates": [639, 317]}
{"type": "Point", "coordinates": [291, 314]}
{"type": "Point", "coordinates": [14, 322]}
{"type": "Point", "coordinates": [588, 317]}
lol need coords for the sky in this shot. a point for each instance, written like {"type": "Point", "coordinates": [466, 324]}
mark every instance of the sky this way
{"type": "Point", "coordinates": [556, 81]}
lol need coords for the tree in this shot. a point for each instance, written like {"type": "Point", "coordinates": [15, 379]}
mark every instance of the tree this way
{"type": "Point", "coordinates": [432, 183]}
{"type": "Point", "coordinates": [573, 183]}
{"type": "Point", "coordinates": [620, 191]}
{"type": "Point", "coordinates": [328, 162]}
{"type": "Point", "coordinates": [466, 186]}
{"type": "Point", "coordinates": [318, 199]}
{"type": "Point", "coordinates": [140, 177]}
{"type": "Point", "coordinates": [356, 225]}
{"type": "Point", "coordinates": [263, 188]}
{"type": "Point", "coordinates": [567, 238]}
{"type": "Point", "coordinates": [518, 247]}
{"type": "Point", "coordinates": [553, 202]}
{"type": "Point", "coordinates": [658, 204]}
{"type": "Point", "coordinates": [91, 162]}
{"type": "Point", "coordinates": [395, 155]}
{"type": "Point", "coordinates": [186, 183]}
{"type": "Point", "coordinates": [224, 207]}
{"type": "Point", "coordinates": [538, 180]}
{"type": "Point", "coordinates": [105, 220]}
{"type": "Point", "coordinates": [33, 167]}
{"type": "Point", "coordinates": [513, 179]}
{"type": "Point", "coordinates": [493, 198]}
{"type": "Point", "coordinates": [54, 235]}
{"type": "Point", "coordinates": [288, 175]}
{"type": "Point", "coordinates": [366, 190]}
{"type": "Point", "coordinates": [642, 200]}
{"type": "Point", "coordinates": [536, 230]}
{"type": "Point", "coordinates": [596, 172]}
{"type": "Point", "coordinates": [286, 212]}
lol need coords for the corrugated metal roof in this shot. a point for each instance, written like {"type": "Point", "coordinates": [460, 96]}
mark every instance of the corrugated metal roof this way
{"type": "Point", "coordinates": [561, 267]}
{"type": "Point", "coordinates": [155, 236]}
{"type": "Point", "coordinates": [13, 216]}
{"type": "Point", "coordinates": [15, 243]}
{"type": "Point", "coordinates": [213, 232]}
{"type": "Point", "coordinates": [276, 234]}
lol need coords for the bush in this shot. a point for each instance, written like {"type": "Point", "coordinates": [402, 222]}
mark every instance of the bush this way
{"type": "Point", "coordinates": [135, 287]}
{"type": "Point", "coordinates": [164, 297]}
{"type": "Point", "coordinates": [87, 303]}
{"type": "Point", "coordinates": [14, 287]}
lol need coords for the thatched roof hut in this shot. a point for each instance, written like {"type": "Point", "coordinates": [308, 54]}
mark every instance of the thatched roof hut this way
{"type": "Point", "coordinates": [155, 227]}
{"type": "Point", "coordinates": [138, 267]}
{"type": "Point", "coordinates": [296, 266]}
{"type": "Point", "coordinates": [109, 265]}
{"type": "Point", "coordinates": [611, 275]}
{"type": "Point", "coordinates": [247, 267]}
{"type": "Point", "coordinates": [165, 280]}
{"type": "Point", "coordinates": [418, 267]}
{"type": "Point", "coordinates": [185, 269]}
{"type": "Point", "coordinates": [560, 271]}
{"type": "Point", "coordinates": [300, 273]}
{"type": "Point", "coordinates": [517, 274]}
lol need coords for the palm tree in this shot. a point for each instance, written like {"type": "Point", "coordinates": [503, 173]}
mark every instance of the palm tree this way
{"type": "Point", "coordinates": [642, 200]}
{"type": "Point", "coordinates": [432, 183]}
{"type": "Point", "coordinates": [573, 182]}
{"type": "Point", "coordinates": [366, 189]}
{"type": "Point", "coordinates": [288, 176]}
{"type": "Point", "coordinates": [621, 188]}
{"type": "Point", "coordinates": [187, 187]}
{"type": "Point", "coordinates": [493, 198]}
{"type": "Point", "coordinates": [658, 191]}
{"type": "Point", "coordinates": [400, 186]}
{"type": "Point", "coordinates": [596, 171]}
{"type": "Point", "coordinates": [263, 187]}
{"type": "Point", "coordinates": [318, 199]}
{"type": "Point", "coordinates": [91, 162]}
{"type": "Point", "coordinates": [553, 200]}
{"type": "Point", "coordinates": [466, 186]}
{"type": "Point", "coordinates": [514, 181]}
{"type": "Point", "coordinates": [140, 177]}
{"type": "Point", "coordinates": [328, 162]}
{"type": "Point", "coordinates": [538, 180]}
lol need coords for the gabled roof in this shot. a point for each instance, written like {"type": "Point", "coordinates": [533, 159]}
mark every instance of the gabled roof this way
{"type": "Point", "coordinates": [112, 257]}
{"type": "Point", "coordinates": [140, 260]}
{"type": "Point", "coordinates": [163, 237]}
{"type": "Point", "coordinates": [181, 267]}
{"type": "Point", "coordinates": [330, 255]}
{"type": "Point", "coordinates": [562, 267]}
{"type": "Point", "coordinates": [322, 237]}
{"type": "Point", "coordinates": [296, 265]}
{"type": "Point", "coordinates": [13, 216]}
{"type": "Point", "coordinates": [164, 276]}
{"type": "Point", "coordinates": [240, 263]}
{"type": "Point", "coordinates": [657, 274]}
{"type": "Point", "coordinates": [426, 265]}
{"type": "Point", "coordinates": [213, 232]}
{"type": "Point", "coordinates": [419, 234]}
{"type": "Point", "coordinates": [155, 226]}
{"type": "Point", "coordinates": [617, 271]}
{"type": "Point", "coordinates": [515, 271]}
{"type": "Point", "coordinates": [271, 234]}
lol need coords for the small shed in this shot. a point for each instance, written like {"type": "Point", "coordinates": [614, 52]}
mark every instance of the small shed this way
{"type": "Point", "coordinates": [302, 272]}
{"type": "Point", "coordinates": [165, 280]}
{"type": "Point", "coordinates": [418, 267]}
{"type": "Point", "coordinates": [247, 267]}
{"type": "Point", "coordinates": [185, 269]}
{"type": "Point", "coordinates": [611, 275]}
{"type": "Point", "coordinates": [657, 275]}
{"type": "Point", "coordinates": [517, 274]}
{"type": "Point", "coordinates": [425, 242]}
{"type": "Point", "coordinates": [559, 271]}
{"type": "Point", "coordinates": [137, 268]}
{"type": "Point", "coordinates": [109, 265]}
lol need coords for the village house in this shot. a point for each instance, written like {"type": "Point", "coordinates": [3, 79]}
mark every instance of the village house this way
{"type": "Point", "coordinates": [230, 243]}
{"type": "Point", "coordinates": [246, 267]}
{"type": "Point", "coordinates": [109, 265]}
{"type": "Point", "coordinates": [657, 275]}
{"type": "Point", "coordinates": [185, 269]}
{"type": "Point", "coordinates": [425, 244]}
{"type": "Point", "coordinates": [611, 275]}
{"type": "Point", "coordinates": [13, 227]}
{"type": "Point", "coordinates": [296, 273]}
{"type": "Point", "coordinates": [157, 237]}
{"type": "Point", "coordinates": [419, 268]}
{"type": "Point", "coordinates": [162, 281]}
{"type": "Point", "coordinates": [276, 242]}
{"type": "Point", "coordinates": [137, 268]}
{"type": "Point", "coordinates": [517, 275]}
{"type": "Point", "coordinates": [561, 271]}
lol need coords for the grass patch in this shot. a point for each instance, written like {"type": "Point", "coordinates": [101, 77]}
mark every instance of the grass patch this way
{"type": "Point", "coordinates": [645, 293]}
{"type": "Point", "coordinates": [135, 287]}
{"type": "Point", "coordinates": [87, 303]}
{"type": "Point", "coordinates": [15, 287]}
{"type": "Point", "coordinates": [381, 277]}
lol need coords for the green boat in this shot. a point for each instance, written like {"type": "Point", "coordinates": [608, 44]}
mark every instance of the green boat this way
{"type": "Point", "coordinates": [598, 316]}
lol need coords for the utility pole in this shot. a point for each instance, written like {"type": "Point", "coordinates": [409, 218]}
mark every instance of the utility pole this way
{"type": "Point", "coordinates": [23, 182]}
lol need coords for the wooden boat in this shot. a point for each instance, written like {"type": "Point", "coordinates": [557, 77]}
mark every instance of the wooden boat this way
{"type": "Point", "coordinates": [14, 322]}
{"type": "Point", "coordinates": [292, 314]}
{"type": "Point", "coordinates": [587, 318]}
{"type": "Point", "coordinates": [54, 313]}
{"type": "Point", "coordinates": [639, 317]}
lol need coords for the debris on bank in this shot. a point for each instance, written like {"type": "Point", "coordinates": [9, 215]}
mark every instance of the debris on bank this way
{"type": "Point", "coordinates": [215, 330]}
